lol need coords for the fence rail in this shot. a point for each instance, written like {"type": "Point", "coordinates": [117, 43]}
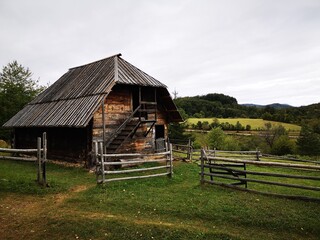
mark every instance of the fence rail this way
{"type": "Point", "coordinates": [184, 148]}
{"type": "Point", "coordinates": [225, 171]}
{"type": "Point", "coordinates": [107, 164]}
{"type": "Point", "coordinates": [40, 159]}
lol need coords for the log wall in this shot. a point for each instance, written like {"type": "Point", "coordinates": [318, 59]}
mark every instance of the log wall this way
{"type": "Point", "coordinates": [117, 107]}
{"type": "Point", "coordinates": [70, 144]}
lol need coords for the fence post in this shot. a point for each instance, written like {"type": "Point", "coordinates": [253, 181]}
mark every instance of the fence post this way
{"type": "Point", "coordinates": [257, 154]}
{"type": "Point", "coordinates": [170, 161]}
{"type": "Point", "coordinates": [39, 159]}
{"type": "Point", "coordinates": [189, 153]}
{"type": "Point", "coordinates": [102, 161]}
{"type": "Point", "coordinates": [202, 166]}
{"type": "Point", "coordinates": [44, 159]}
{"type": "Point", "coordinates": [191, 150]}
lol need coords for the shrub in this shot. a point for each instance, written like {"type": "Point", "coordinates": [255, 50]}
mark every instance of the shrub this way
{"type": "Point", "coordinates": [283, 146]}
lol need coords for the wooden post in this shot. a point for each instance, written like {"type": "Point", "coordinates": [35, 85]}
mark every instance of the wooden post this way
{"type": "Point", "coordinates": [202, 166]}
{"type": "Point", "coordinates": [95, 149]}
{"type": "Point", "coordinates": [140, 104]}
{"type": "Point", "coordinates": [257, 154]}
{"type": "Point", "coordinates": [191, 149]}
{"type": "Point", "coordinates": [156, 106]}
{"type": "Point", "coordinates": [170, 161]}
{"type": "Point", "coordinates": [103, 126]}
{"type": "Point", "coordinates": [188, 150]}
{"type": "Point", "coordinates": [102, 161]}
{"type": "Point", "coordinates": [39, 159]}
{"type": "Point", "coordinates": [245, 175]}
{"type": "Point", "coordinates": [44, 159]}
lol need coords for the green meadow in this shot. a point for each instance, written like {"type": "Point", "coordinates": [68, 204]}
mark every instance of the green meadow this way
{"type": "Point", "coordinates": [75, 207]}
{"type": "Point", "coordinates": [256, 124]}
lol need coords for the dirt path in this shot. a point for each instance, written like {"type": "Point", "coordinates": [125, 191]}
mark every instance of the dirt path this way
{"type": "Point", "coordinates": [25, 216]}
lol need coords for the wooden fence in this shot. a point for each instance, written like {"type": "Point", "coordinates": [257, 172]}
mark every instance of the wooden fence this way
{"type": "Point", "coordinates": [108, 166]}
{"type": "Point", "coordinates": [29, 156]}
{"type": "Point", "coordinates": [183, 147]}
{"type": "Point", "coordinates": [230, 172]}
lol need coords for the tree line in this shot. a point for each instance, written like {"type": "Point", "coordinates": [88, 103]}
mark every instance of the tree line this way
{"type": "Point", "coordinates": [205, 125]}
{"type": "Point", "coordinates": [223, 106]}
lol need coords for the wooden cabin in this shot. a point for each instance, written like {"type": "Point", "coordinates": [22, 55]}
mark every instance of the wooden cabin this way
{"type": "Point", "coordinates": [109, 100]}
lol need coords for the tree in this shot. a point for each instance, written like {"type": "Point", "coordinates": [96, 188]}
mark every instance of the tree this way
{"type": "Point", "coordinates": [17, 88]}
{"type": "Point", "coordinates": [272, 133]}
{"type": "Point", "coordinates": [309, 141]}
{"type": "Point", "coordinates": [177, 132]}
{"type": "Point", "coordinates": [216, 138]}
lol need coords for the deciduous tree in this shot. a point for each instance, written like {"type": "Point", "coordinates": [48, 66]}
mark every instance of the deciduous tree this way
{"type": "Point", "coordinates": [17, 88]}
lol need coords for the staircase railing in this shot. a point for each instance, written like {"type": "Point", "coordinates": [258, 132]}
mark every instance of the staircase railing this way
{"type": "Point", "coordinates": [139, 109]}
{"type": "Point", "coordinates": [122, 126]}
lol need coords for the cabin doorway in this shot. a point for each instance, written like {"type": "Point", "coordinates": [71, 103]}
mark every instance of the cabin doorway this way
{"type": "Point", "coordinates": [160, 140]}
{"type": "Point", "coordinates": [159, 131]}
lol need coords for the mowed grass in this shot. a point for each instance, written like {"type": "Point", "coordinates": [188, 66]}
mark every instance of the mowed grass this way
{"type": "Point", "coordinates": [256, 124]}
{"type": "Point", "coordinates": [74, 207]}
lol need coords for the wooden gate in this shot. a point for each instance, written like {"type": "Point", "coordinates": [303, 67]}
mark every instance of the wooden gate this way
{"type": "Point", "coordinates": [224, 171]}
{"type": "Point", "coordinates": [108, 166]}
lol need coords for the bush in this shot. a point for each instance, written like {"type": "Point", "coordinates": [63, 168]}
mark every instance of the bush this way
{"type": "Point", "coordinates": [231, 144]}
{"type": "Point", "coordinates": [282, 146]}
{"type": "Point", "coordinates": [3, 144]}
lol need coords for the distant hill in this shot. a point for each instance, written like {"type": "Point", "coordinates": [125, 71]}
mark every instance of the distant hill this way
{"type": "Point", "coordinates": [217, 105]}
{"type": "Point", "coordinates": [273, 105]}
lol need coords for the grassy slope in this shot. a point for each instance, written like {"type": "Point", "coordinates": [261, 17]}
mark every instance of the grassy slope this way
{"type": "Point", "coordinates": [161, 208]}
{"type": "Point", "coordinates": [254, 123]}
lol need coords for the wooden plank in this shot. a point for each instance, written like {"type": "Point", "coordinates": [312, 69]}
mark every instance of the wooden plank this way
{"type": "Point", "coordinates": [18, 159]}
{"type": "Point", "coordinates": [287, 158]}
{"type": "Point", "coordinates": [177, 151]}
{"type": "Point", "coordinates": [234, 173]}
{"type": "Point", "coordinates": [268, 173]}
{"type": "Point", "coordinates": [135, 170]}
{"type": "Point", "coordinates": [39, 160]}
{"type": "Point", "coordinates": [135, 177]}
{"type": "Point", "coordinates": [265, 182]}
{"type": "Point", "coordinates": [180, 145]}
{"type": "Point", "coordinates": [235, 152]}
{"type": "Point", "coordinates": [10, 150]}
{"type": "Point", "coordinates": [305, 198]}
{"type": "Point", "coordinates": [260, 163]}
{"type": "Point", "coordinates": [135, 162]}
{"type": "Point", "coordinates": [136, 154]}
{"type": "Point", "coordinates": [170, 161]}
{"type": "Point", "coordinates": [213, 165]}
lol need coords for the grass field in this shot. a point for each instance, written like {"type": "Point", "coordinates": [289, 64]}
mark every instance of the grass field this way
{"type": "Point", "coordinates": [74, 207]}
{"type": "Point", "coordinates": [256, 124]}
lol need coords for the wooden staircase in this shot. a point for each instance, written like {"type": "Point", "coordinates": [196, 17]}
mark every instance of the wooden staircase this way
{"type": "Point", "coordinates": [146, 112]}
{"type": "Point", "coordinates": [126, 132]}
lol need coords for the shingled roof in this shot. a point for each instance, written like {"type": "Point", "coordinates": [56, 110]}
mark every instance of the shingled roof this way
{"type": "Point", "coordinates": [74, 97]}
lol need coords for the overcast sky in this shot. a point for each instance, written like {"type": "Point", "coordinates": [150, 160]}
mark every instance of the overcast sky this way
{"type": "Point", "coordinates": [258, 51]}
